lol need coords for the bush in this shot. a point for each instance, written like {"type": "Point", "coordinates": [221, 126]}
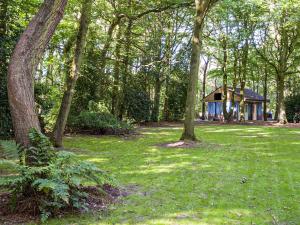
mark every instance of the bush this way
{"type": "Point", "coordinates": [292, 107]}
{"type": "Point", "coordinates": [53, 180]}
{"type": "Point", "coordinates": [138, 105]}
{"type": "Point", "coordinates": [98, 123]}
{"type": "Point", "coordinates": [99, 107]}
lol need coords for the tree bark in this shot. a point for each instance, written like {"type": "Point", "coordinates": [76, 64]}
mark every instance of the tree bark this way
{"type": "Point", "coordinates": [226, 115]}
{"type": "Point", "coordinates": [234, 83]}
{"type": "Point", "coordinates": [157, 87]}
{"type": "Point", "coordinates": [202, 7]}
{"type": "Point", "coordinates": [73, 74]}
{"type": "Point", "coordinates": [243, 80]}
{"type": "Point", "coordinates": [109, 40]}
{"type": "Point", "coordinates": [23, 65]}
{"type": "Point", "coordinates": [126, 68]}
{"type": "Point", "coordinates": [116, 86]}
{"type": "Point", "coordinates": [281, 88]}
{"type": "Point", "coordinates": [155, 110]}
{"type": "Point", "coordinates": [204, 88]}
{"type": "Point", "coordinates": [168, 65]}
{"type": "Point", "coordinates": [265, 93]}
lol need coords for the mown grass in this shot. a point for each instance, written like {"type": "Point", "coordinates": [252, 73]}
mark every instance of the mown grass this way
{"type": "Point", "coordinates": [238, 175]}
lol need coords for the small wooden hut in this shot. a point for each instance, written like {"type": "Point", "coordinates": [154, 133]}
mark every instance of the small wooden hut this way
{"type": "Point", "coordinates": [253, 104]}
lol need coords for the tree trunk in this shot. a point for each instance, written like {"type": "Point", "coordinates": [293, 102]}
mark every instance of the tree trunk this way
{"type": "Point", "coordinates": [157, 88]}
{"type": "Point", "coordinates": [23, 64]}
{"type": "Point", "coordinates": [126, 68]}
{"type": "Point", "coordinates": [234, 83]}
{"type": "Point", "coordinates": [166, 111]}
{"type": "Point", "coordinates": [226, 115]}
{"type": "Point", "coordinates": [109, 40]}
{"type": "Point", "coordinates": [281, 114]}
{"type": "Point", "coordinates": [116, 89]}
{"type": "Point", "coordinates": [155, 111]}
{"type": "Point", "coordinates": [265, 94]}
{"type": "Point", "coordinates": [277, 105]}
{"type": "Point", "coordinates": [202, 7]}
{"type": "Point", "coordinates": [243, 80]}
{"type": "Point", "coordinates": [204, 88]}
{"type": "Point", "coordinates": [73, 74]}
{"type": "Point", "coordinates": [166, 100]}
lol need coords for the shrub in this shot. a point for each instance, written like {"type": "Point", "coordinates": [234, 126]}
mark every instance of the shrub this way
{"type": "Point", "coordinates": [292, 107]}
{"type": "Point", "coordinates": [99, 123]}
{"type": "Point", "coordinates": [296, 118]}
{"type": "Point", "coordinates": [138, 105]}
{"type": "Point", "coordinates": [53, 180]}
{"type": "Point", "coordinates": [98, 107]}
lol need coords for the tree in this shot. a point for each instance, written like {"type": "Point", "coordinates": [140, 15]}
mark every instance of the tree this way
{"type": "Point", "coordinates": [73, 73]}
{"type": "Point", "coordinates": [202, 8]}
{"type": "Point", "coordinates": [23, 65]}
{"type": "Point", "coordinates": [5, 123]}
{"type": "Point", "coordinates": [279, 39]}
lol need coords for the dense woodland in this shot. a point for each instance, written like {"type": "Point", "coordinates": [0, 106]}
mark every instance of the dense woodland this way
{"type": "Point", "coordinates": [103, 66]}
{"type": "Point", "coordinates": [132, 59]}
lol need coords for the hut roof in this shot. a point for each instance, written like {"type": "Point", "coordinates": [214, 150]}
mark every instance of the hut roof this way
{"type": "Point", "coordinates": [249, 95]}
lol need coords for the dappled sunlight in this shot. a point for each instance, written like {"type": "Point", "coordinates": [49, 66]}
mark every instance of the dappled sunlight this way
{"type": "Point", "coordinates": [98, 160]}
{"type": "Point", "coordinates": [233, 177]}
{"type": "Point", "coordinates": [223, 130]}
{"type": "Point", "coordinates": [165, 168]}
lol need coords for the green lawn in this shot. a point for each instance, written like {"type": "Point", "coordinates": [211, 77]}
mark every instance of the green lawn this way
{"type": "Point", "coordinates": [238, 175]}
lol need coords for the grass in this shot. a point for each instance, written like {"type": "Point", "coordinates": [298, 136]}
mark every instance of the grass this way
{"type": "Point", "coordinates": [238, 175]}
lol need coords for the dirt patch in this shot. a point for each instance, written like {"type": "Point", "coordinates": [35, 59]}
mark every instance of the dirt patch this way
{"type": "Point", "coordinates": [26, 210]}
{"type": "Point", "coordinates": [181, 144]}
{"type": "Point", "coordinates": [162, 124]}
{"type": "Point", "coordinates": [190, 144]}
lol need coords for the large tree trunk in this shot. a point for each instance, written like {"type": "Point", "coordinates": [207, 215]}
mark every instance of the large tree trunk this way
{"type": "Point", "coordinates": [23, 64]}
{"type": "Point", "coordinates": [281, 88]}
{"type": "Point", "coordinates": [202, 7]}
{"type": "Point", "coordinates": [203, 93]}
{"type": "Point", "coordinates": [73, 74]}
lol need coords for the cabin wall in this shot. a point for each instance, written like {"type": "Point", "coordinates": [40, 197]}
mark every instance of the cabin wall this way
{"type": "Point", "coordinates": [215, 110]}
{"type": "Point", "coordinates": [259, 111]}
{"type": "Point", "coordinates": [253, 110]}
{"type": "Point", "coordinates": [210, 98]}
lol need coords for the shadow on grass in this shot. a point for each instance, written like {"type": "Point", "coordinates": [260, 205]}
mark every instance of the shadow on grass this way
{"type": "Point", "coordinates": [252, 176]}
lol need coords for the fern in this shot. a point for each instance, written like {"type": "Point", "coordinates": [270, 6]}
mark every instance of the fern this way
{"type": "Point", "coordinates": [53, 179]}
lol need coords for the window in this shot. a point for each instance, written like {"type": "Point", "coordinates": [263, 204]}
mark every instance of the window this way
{"type": "Point", "coordinates": [218, 96]}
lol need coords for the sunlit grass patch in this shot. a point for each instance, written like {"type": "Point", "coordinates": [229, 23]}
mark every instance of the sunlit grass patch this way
{"type": "Point", "coordinates": [249, 175]}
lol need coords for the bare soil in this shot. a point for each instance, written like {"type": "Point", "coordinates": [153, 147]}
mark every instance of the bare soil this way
{"type": "Point", "coordinates": [26, 210]}
{"type": "Point", "coordinates": [181, 144]}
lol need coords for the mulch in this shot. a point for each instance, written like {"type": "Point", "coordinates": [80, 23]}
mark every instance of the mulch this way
{"type": "Point", "coordinates": [26, 210]}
